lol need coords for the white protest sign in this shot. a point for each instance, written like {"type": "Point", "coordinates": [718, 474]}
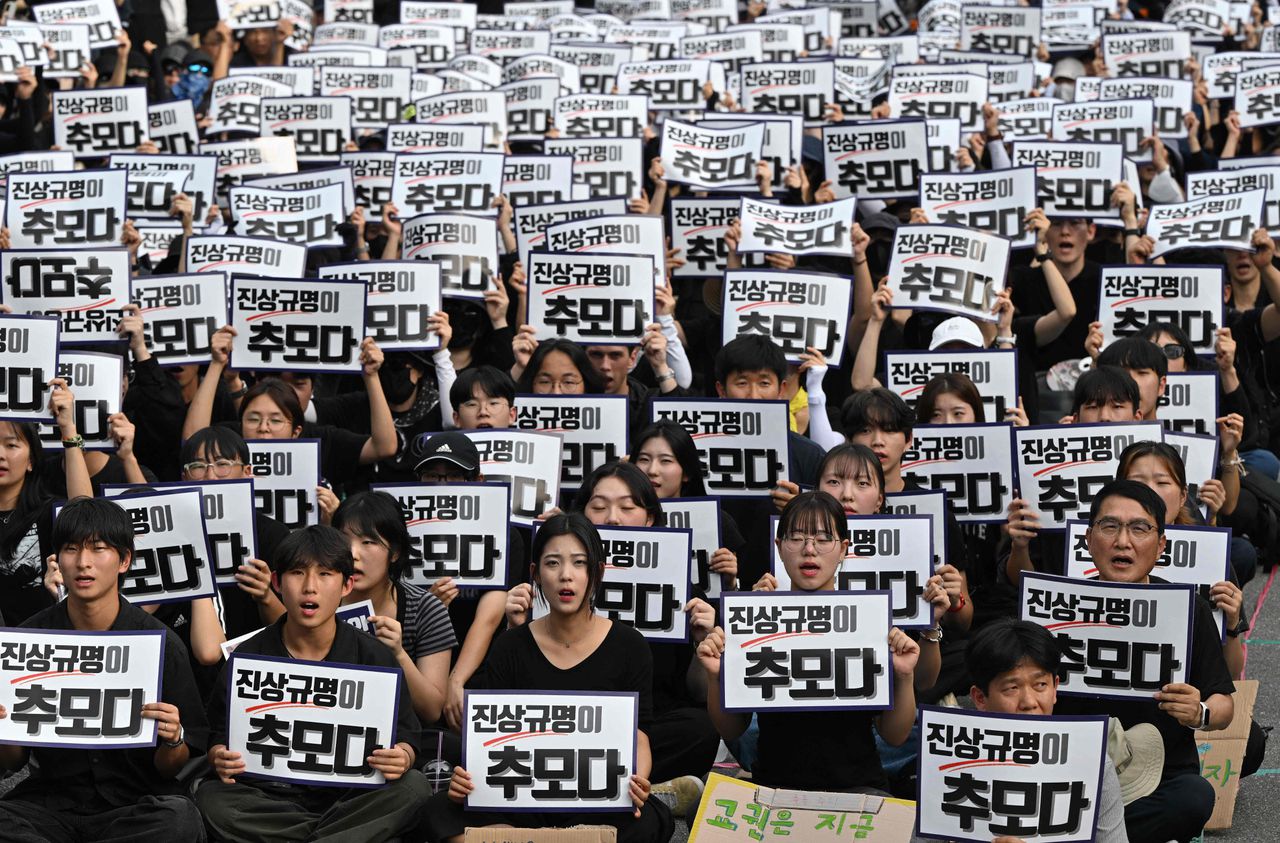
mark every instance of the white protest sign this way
{"type": "Point", "coordinates": [701, 517]}
{"type": "Point", "coordinates": [286, 473]}
{"type": "Point", "coordinates": [69, 49]}
{"type": "Point", "coordinates": [97, 380]}
{"type": "Point", "coordinates": [697, 227]}
{"type": "Point", "coordinates": [537, 179]}
{"type": "Point", "coordinates": [401, 298]}
{"type": "Point", "coordinates": [1075, 179]}
{"type": "Point", "coordinates": [674, 85]}
{"type": "Point", "coordinates": [592, 429]}
{"type": "Point", "coordinates": [529, 105]}
{"type": "Point", "coordinates": [628, 234]}
{"type": "Point", "coordinates": [71, 210]}
{"type": "Point", "coordinates": [100, 16]}
{"type": "Point", "coordinates": [646, 580]}
{"type": "Point", "coordinates": [1190, 403]}
{"type": "Point", "coordinates": [456, 530]}
{"type": "Point", "coordinates": [235, 102]}
{"type": "Point", "coordinates": [320, 127]}
{"type": "Point", "coordinates": [86, 290]}
{"type": "Point", "coordinates": [836, 641]}
{"type": "Point", "coordinates": [957, 96]}
{"type": "Point", "coordinates": [1162, 54]}
{"type": "Point", "coordinates": [1133, 297]}
{"type": "Point", "coordinates": [1000, 29]}
{"type": "Point", "coordinates": [172, 127]}
{"type": "Point", "coordinates": [349, 11]}
{"type": "Point", "coordinates": [1118, 640]}
{"type": "Point", "coordinates": [425, 137]}
{"type": "Point", "coordinates": [1027, 119]}
{"type": "Point", "coordinates": [600, 115]}
{"type": "Point", "coordinates": [780, 148]}
{"type": "Point", "coordinates": [531, 223]}
{"type": "Point", "coordinates": [1171, 99]}
{"type": "Point", "coordinates": [1219, 71]}
{"type": "Point", "coordinates": [1126, 122]}
{"type": "Point", "coordinates": [800, 88]}
{"type": "Point", "coordinates": [300, 80]}
{"type": "Point", "coordinates": [526, 461]}
{"type": "Point", "coordinates": [80, 690]}
{"type": "Point", "coordinates": [154, 180]}
{"type": "Point", "coordinates": [293, 324]}
{"type": "Point", "coordinates": [591, 732]}
{"type": "Point", "coordinates": [248, 159]}
{"type": "Point", "coordinates": [224, 253]}
{"type": "Point", "coordinates": [1257, 97]}
{"type": "Point", "coordinates": [993, 371]}
{"type": "Point", "coordinates": [1225, 222]}
{"type": "Point", "coordinates": [171, 558]}
{"type": "Point", "coordinates": [971, 463]}
{"type": "Point", "coordinates": [432, 44]}
{"type": "Point", "coordinates": [28, 361]}
{"type": "Point", "coordinates": [378, 94]}
{"type": "Point", "coordinates": [94, 124]}
{"type": "Point", "coordinates": [1238, 175]}
{"type": "Point", "coordinates": [825, 229]}
{"type": "Point", "coordinates": [312, 723]}
{"type": "Point", "coordinates": [742, 444]}
{"type": "Point", "coordinates": [1061, 468]}
{"type": "Point", "coordinates": [1200, 459]}
{"type": "Point", "coordinates": [1043, 775]}
{"type": "Point", "coordinates": [930, 502]}
{"type": "Point", "coordinates": [590, 298]}
{"type": "Point", "coordinates": [876, 160]}
{"type": "Point", "coordinates": [488, 108]}
{"type": "Point", "coordinates": [996, 201]}
{"type": "Point", "coordinates": [371, 177]}
{"type": "Point", "coordinates": [602, 167]}
{"type": "Point", "coordinates": [949, 269]}
{"type": "Point", "coordinates": [465, 182]}
{"type": "Point", "coordinates": [797, 310]}
{"type": "Point", "coordinates": [465, 247]}
{"type": "Point", "coordinates": [180, 314]}
{"type": "Point", "coordinates": [710, 159]}
{"type": "Point", "coordinates": [305, 217]}
{"type": "Point", "coordinates": [311, 179]}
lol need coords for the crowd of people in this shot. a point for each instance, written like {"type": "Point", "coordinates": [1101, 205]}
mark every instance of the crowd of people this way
{"type": "Point", "coordinates": [64, 546]}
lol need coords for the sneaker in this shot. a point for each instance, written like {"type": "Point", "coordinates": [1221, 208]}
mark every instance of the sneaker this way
{"type": "Point", "coordinates": [681, 795]}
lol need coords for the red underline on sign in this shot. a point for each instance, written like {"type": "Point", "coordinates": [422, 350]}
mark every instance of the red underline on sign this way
{"type": "Point", "coordinates": [1054, 468]}
{"type": "Point", "coordinates": [855, 152]}
{"type": "Point", "coordinates": [704, 228]}
{"type": "Point", "coordinates": [957, 202]}
{"type": "Point", "coordinates": [1082, 122]}
{"type": "Point", "coordinates": [516, 736]}
{"type": "Point", "coordinates": [80, 117]}
{"type": "Point", "coordinates": [42, 202]}
{"type": "Point", "coordinates": [705, 435]}
{"type": "Point", "coordinates": [265, 706]}
{"type": "Point", "coordinates": [48, 674]}
{"type": "Point", "coordinates": [274, 313]}
{"type": "Point", "coordinates": [957, 764]}
{"type": "Point", "coordinates": [777, 635]}
{"type": "Point", "coordinates": [760, 304]}
{"type": "Point", "coordinates": [1080, 623]}
{"type": "Point", "coordinates": [1136, 298]}
{"type": "Point", "coordinates": [922, 257]}
{"type": "Point", "coordinates": [94, 306]}
{"type": "Point", "coordinates": [424, 521]}
{"type": "Point", "coordinates": [426, 178]}
{"type": "Point", "coordinates": [222, 263]}
{"type": "Point", "coordinates": [551, 290]}
{"type": "Point", "coordinates": [1088, 572]}
{"type": "Point", "coordinates": [907, 392]}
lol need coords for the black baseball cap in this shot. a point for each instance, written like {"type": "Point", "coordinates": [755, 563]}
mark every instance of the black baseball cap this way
{"type": "Point", "coordinates": [451, 447]}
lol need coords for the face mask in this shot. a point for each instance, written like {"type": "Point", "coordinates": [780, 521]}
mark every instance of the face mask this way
{"type": "Point", "coordinates": [1065, 91]}
{"type": "Point", "coordinates": [397, 384]}
{"type": "Point", "coordinates": [191, 86]}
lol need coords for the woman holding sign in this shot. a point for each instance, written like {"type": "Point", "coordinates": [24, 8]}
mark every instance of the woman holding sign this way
{"type": "Point", "coordinates": [570, 649]}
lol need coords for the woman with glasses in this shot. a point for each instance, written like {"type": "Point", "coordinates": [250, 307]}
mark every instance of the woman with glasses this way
{"type": "Point", "coordinates": [818, 750]}
{"type": "Point", "coordinates": [554, 367]}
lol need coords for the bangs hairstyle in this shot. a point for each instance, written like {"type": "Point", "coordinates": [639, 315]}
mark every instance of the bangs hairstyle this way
{"type": "Point", "coordinates": [1135, 353]}
{"type": "Point", "coordinates": [878, 407]}
{"type": "Point", "coordinates": [1179, 336]}
{"type": "Point", "coordinates": [852, 461]}
{"type": "Point", "coordinates": [813, 512]}
{"type": "Point", "coordinates": [377, 516]}
{"type": "Point", "coordinates": [281, 394]}
{"type": "Point", "coordinates": [32, 499]}
{"type": "Point", "coordinates": [750, 353]}
{"type": "Point", "coordinates": [317, 544]}
{"type": "Point", "coordinates": [1104, 384]}
{"type": "Point", "coordinates": [638, 485]}
{"type": "Point", "coordinates": [1001, 646]}
{"type": "Point", "coordinates": [570, 524]}
{"type": "Point", "coordinates": [1140, 493]}
{"type": "Point", "coordinates": [493, 382]}
{"type": "Point", "coordinates": [85, 520]}
{"type": "Point", "coordinates": [686, 453]}
{"type": "Point", "coordinates": [216, 442]}
{"type": "Point", "coordinates": [1172, 460]}
{"type": "Point", "coordinates": [950, 383]}
{"type": "Point", "coordinates": [591, 383]}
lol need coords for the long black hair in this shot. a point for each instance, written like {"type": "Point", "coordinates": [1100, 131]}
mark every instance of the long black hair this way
{"type": "Point", "coordinates": [377, 516]}
{"type": "Point", "coordinates": [591, 383]}
{"type": "Point", "coordinates": [686, 453]}
{"type": "Point", "coordinates": [33, 498]}
{"type": "Point", "coordinates": [638, 485]}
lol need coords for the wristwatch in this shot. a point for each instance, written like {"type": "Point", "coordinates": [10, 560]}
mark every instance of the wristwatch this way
{"type": "Point", "coordinates": [1204, 718]}
{"type": "Point", "coordinates": [177, 743]}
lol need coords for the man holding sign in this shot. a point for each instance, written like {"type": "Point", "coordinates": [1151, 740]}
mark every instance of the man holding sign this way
{"type": "Point", "coordinates": [89, 792]}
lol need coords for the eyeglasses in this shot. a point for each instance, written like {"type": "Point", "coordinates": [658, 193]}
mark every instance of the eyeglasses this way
{"type": "Point", "coordinates": [493, 405]}
{"type": "Point", "coordinates": [1110, 528]}
{"type": "Point", "coordinates": [269, 422]}
{"type": "Point", "coordinates": [823, 542]}
{"type": "Point", "coordinates": [221, 468]}
{"type": "Point", "coordinates": [566, 383]}
{"type": "Point", "coordinates": [199, 68]}
{"type": "Point", "coordinates": [1173, 351]}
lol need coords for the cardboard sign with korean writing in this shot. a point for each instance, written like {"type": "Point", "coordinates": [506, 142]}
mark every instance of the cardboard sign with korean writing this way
{"type": "Point", "coordinates": [710, 159]}
{"type": "Point", "coordinates": [456, 530]}
{"type": "Point", "coordinates": [1147, 53]}
{"type": "Point", "coordinates": [463, 246]}
{"type": "Point", "coordinates": [800, 88]}
{"type": "Point", "coordinates": [306, 217]}
{"type": "Point", "coordinates": [426, 137]}
{"type": "Point", "coordinates": [297, 324]}
{"type": "Point", "coordinates": [1195, 556]}
{"type": "Point", "coordinates": [286, 473]}
{"type": "Point", "coordinates": [235, 102]}
{"type": "Point", "coordinates": [529, 105]}
{"type": "Point", "coordinates": [1027, 119]}
{"type": "Point", "coordinates": [28, 361]}
{"type": "Point", "coordinates": [1126, 122]}
{"type": "Point", "coordinates": [319, 126]}
{"type": "Point", "coordinates": [798, 651]}
{"type": "Point", "coordinates": [86, 290]}
{"type": "Point", "coordinates": [1257, 97]}
{"type": "Point", "coordinates": [537, 179]}
{"type": "Point", "coordinates": [378, 94]}
{"type": "Point", "coordinates": [742, 445]}
{"type": "Point", "coordinates": [592, 429]}
{"type": "Point", "coordinates": [249, 14]}
{"type": "Point", "coordinates": [531, 223]}
{"type": "Point", "coordinates": [68, 49]}
{"type": "Point", "coordinates": [310, 179]}
{"type": "Point", "coordinates": [600, 115]}
{"type": "Point", "coordinates": [780, 148]}
{"type": "Point", "coordinates": [67, 210]}
{"type": "Point", "coordinates": [949, 269]}
{"type": "Point", "coordinates": [79, 690]}
{"type": "Point", "coordinates": [956, 96]}
{"type": "Point", "coordinates": [697, 227]}
{"type": "Point", "coordinates": [824, 229]}
{"type": "Point", "coordinates": [311, 723]}
{"type": "Point", "coordinates": [876, 160]}
{"type": "Point", "coordinates": [1074, 179]}
{"type": "Point", "coordinates": [971, 463]}
{"type": "Point", "coordinates": [488, 108]}
{"type": "Point", "coordinates": [180, 314]}
{"type": "Point", "coordinates": [97, 381]}
{"type": "Point", "coordinates": [674, 85]}
{"type": "Point", "coordinates": [548, 751]}
{"type": "Point", "coordinates": [1240, 174]}
{"type": "Point", "coordinates": [986, 775]}
{"type": "Point", "coordinates": [1225, 222]}
{"type": "Point", "coordinates": [371, 177]}
{"type": "Point", "coordinates": [993, 371]}
{"type": "Point", "coordinates": [646, 580]}
{"type": "Point", "coordinates": [1171, 99]}
{"type": "Point", "coordinates": [623, 234]}
{"type": "Point", "coordinates": [94, 123]}
{"type": "Point", "coordinates": [1200, 459]}
{"type": "Point", "coordinates": [162, 176]}
{"type": "Point", "coordinates": [465, 182]}
{"type": "Point", "coordinates": [797, 310]}
{"type": "Point", "coordinates": [246, 159]}
{"type": "Point", "coordinates": [226, 253]}
{"type": "Point", "coordinates": [890, 553]}
{"type": "Point", "coordinates": [602, 167]}
{"type": "Point", "coordinates": [1061, 468]}
{"type": "Point", "coordinates": [401, 298]}
{"type": "Point", "coordinates": [701, 517]}
{"type": "Point", "coordinates": [590, 298]}
{"type": "Point", "coordinates": [171, 559]}
{"type": "Point", "coordinates": [1190, 403]}
{"type": "Point", "coordinates": [229, 523]}
{"type": "Point", "coordinates": [528, 462]}
{"type": "Point", "coordinates": [997, 201]}
{"type": "Point", "coordinates": [1118, 640]}
{"type": "Point", "coordinates": [1133, 297]}
{"type": "Point", "coordinates": [100, 16]}
{"type": "Point", "coordinates": [301, 80]}
{"type": "Point", "coordinates": [1000, 29]}
{"type": "Point", "coordinates": [930, 502]}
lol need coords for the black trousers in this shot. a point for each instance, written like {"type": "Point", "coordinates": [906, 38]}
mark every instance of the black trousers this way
{"type": "Point", "coordinates": [1178, 810]}
{"type": "Point", "coordinates": [446, 818]}
{"type": "Point", "coordinates": [150, 819]}
{"type": "Point", "coordinates": [683, 742]}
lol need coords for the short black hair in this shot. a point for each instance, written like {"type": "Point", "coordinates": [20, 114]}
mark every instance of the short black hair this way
{"type": "Point", "coordinates": [850, 460]}
{"type": "Point", "coordinates": [377, 516]}
{"type": "Point", "coordinates": [577, 525]}
{"type": "Point", "coordinates": [1103, 384]}
{"type": "Point", "coordinates": [1003, 644]}
{"type": "Point", "coordinates": [1135, 353]}
{"type": "Point", "coordinates": [878, 407]}
{"type": "Point", "coordinates": [1140, 493]}
{"type": "Point", "coordinates": [492, 382]}
{"type": "Point", "coordinates": [637, 483]}
{"type": "Point", "coordinates": [281, 394]}
{"type": "Point", "coordinates": [685, 450]}
{"type": "Point", "coordinates": [811, 511]}
{"type": "Point", "coordinates": [315, 544]}
{"type": "Point", "coordinates": [216, 442]}
{"type": "Point", "coordinates": [750, 353]}
{"type": "Point", "coordinates": [84, 520]}
{"type": "Point", "coordinates": [1179, 336]}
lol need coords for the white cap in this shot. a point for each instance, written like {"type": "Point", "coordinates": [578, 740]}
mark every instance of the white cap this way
{"type": "Point", "coordinates": [957, 329]}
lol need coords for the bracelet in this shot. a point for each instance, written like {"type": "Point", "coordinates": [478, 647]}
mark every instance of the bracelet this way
{"type": "Point", "coordinates": [933, 636]}
{"type": "Point", "coordinates": [860, 263]}
{"type": "Point", "coordinates": [76, 441]}
{"type": "Point", "coordinates": [239, 393]}
{"type": "Point", "coordinates": [957, 607]}
{"type": "Point", "coordinates": [177, 743]}
{"type": "Point", "coordinates": [1237, 463]}
{"type": "Point", "coordinates": [666, 376]}
{"type": "Point", "coordinates": [1133, 232]}
{"type": "Point", "coordinates": [1041, 257]}
{"type": "Point", "coordinates": [1007, 340]}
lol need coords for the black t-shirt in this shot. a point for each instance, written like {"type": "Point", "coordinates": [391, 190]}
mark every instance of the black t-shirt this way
{"type": "Point", "coordinates": [1207, 672]}
{"type": "Point", "coordinates": [1031, 298]}
{"type": "Point", "coordinates": [818, 750]}
{"type": "Point", "coordinates": [239, 611]}
{"type": "Point", "coordinates": [22, 591]}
